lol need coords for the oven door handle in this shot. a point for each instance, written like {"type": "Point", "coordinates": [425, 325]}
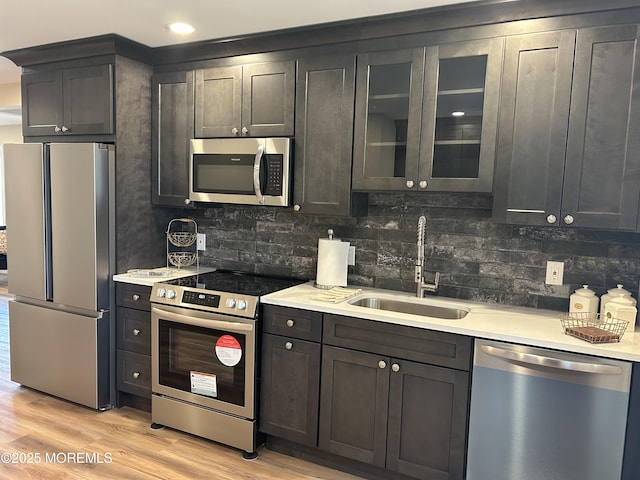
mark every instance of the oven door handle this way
{"type": "Point", "coordinates": [256, 174]}
{"type": "Point", "coordinates": [231, 327]}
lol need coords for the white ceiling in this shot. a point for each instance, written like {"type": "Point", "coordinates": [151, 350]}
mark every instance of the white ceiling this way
{"type": "Point", "coordinates": [28, 23]}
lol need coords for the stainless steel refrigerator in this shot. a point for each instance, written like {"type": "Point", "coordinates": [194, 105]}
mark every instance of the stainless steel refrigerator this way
{"type": "Point", "coordinates": [60, 239]}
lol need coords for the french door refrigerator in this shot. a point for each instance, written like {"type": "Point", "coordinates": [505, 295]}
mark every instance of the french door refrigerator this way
{"type": "Point", "coordinates": [60, 237]}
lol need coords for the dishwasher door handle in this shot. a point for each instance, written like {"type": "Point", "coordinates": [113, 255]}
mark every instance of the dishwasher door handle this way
{"type": "Point", "coordinates": [550, 362]}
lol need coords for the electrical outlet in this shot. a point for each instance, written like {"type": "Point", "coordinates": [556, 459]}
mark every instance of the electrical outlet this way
{"type": "Point", "coordinates": [202, 242]}
{"type": "Point", "coordinates": [555, 272]}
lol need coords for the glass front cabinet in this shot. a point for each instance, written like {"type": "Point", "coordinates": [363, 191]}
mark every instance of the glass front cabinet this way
{"type": "Point", "coordinates": [387, 119]}
{"type": "Point", "coordinates": [430, 118]}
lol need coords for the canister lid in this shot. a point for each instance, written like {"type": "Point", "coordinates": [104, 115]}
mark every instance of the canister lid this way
{"type": "Point", "coordinates": [619, 291]}
{"type": "Point", "coordinates": [623, 300]}
{"type": "Point", "coordinates": [585, 291]}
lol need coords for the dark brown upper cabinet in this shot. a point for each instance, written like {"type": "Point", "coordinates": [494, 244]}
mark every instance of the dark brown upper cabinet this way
{"type": "Point", "coordinates": [324, 136]}
{"type": "Point", "coordinates": [71, 101]}
{"type": "Point", "coordinates": [255, 100]}
{"type": "Point", "coordinates": [427, 119]}
{"type": "Point", "coordinates": [171, 130]}
{"type": "Point", "coordinates": [568, 150]}
{"type": "Point", "coordinates": [460, 116]}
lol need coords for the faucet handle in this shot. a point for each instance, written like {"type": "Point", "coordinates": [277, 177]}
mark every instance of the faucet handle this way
{"type": "Point", "coordinates": [436, 281]}
{"type": "Point", "coordinates": [427, 287]}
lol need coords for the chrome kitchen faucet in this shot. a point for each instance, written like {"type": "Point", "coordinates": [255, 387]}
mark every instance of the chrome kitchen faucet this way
{"type": "Point", "coordinates": [419, 279]}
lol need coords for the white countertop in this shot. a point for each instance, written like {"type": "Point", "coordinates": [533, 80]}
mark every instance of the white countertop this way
{"type": "Point", "coordinates": [149, 276]}
{"type": "Point", "coordinates": [527, 326]}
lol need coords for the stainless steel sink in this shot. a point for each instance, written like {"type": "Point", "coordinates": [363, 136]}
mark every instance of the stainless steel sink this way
{"type": "Point", "coordinates": [413, 308]}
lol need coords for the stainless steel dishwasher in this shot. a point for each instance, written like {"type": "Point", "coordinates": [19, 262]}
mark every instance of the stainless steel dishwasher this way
{"type": "Point", "coordinates": [541, 414]}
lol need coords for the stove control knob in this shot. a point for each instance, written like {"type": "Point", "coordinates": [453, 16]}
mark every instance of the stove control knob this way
{"type": "Point", "coordinates": [161, 292]}
{"type": "Point", "coordinates": [171, 294]}
{"type": "Point", "coordinates": [242, 305]}
{"type": "Point", "coordinates": [231, 303]}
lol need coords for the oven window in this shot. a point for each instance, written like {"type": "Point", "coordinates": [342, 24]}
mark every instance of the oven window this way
{"type": "Point", "coordinates": [202, 361]}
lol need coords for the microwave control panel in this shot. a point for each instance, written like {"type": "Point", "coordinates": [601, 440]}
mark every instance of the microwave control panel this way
{"type": "Point", "coordinates": [273, 185]}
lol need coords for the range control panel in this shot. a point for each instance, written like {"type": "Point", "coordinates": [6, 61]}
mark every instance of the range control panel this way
{"type": "Point", "coordinates": [200, 299]}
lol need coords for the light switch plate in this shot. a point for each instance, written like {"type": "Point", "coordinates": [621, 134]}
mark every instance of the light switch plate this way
{"type": "Point", "coordinates": [555, 272]}
{"type": "Point", "coordinates": [201, 242]}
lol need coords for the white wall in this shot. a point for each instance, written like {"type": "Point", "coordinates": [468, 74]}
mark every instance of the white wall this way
{"type": "Point", "coordinates": [10, 94]}
{"type": "Point", "coordinates": [9, 97]}
{"type": "Point", "coordinates": [10, 134]}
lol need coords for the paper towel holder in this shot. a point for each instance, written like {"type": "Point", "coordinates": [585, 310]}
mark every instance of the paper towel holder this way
{"type": "Point", "coordinates": [329, 280]}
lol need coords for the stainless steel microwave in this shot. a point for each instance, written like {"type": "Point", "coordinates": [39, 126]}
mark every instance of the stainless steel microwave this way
{"type": "Point", "coordinates": [248, 171]}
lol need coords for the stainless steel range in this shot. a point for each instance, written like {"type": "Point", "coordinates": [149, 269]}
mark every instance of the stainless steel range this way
{"type": "Point", "coordinates": [204, 334]}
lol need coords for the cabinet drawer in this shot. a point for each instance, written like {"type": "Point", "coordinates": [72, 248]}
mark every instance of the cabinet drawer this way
{"type": "Point", "coordinates": [134, 373]}
{"type": "Point", "coordinates": [133, 296]}
{"type": "Point", "coordinates": [134, 330]}
{"type": "Point", "coordinates": [409, 343]}
{"type": "Point", "coordinates": [291, 322]}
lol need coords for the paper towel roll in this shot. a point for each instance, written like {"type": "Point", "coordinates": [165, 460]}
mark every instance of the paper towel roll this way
{"type": "Point", "coordinates": [333, 258]}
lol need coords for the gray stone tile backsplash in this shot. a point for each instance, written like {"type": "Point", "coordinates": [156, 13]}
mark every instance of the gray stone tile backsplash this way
{"type": "Point", "coordinates": [478, 259]}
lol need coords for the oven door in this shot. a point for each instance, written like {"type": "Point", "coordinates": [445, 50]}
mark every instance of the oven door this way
{"type": "Point", "coordinates": [204, 358]}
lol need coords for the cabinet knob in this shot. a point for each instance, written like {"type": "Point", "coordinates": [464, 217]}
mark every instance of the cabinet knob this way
{"type": "Point", "coordinates": [422, 184]}
{"type": "Point", "coordinates": [382, 364]}
{"type": "Point", "coordinates": [136, 332]}
{"type": "Point", "coordinates": [57, 129]}
{"type": "Point", "coordinates": [568, 219]}
{"type": "Point", "coordinates": [551, 219]}
{"type": "Point", "coordinates": [187, 201]}
{"type": "Point", "coordinates": [64, 129]}
{"type": "Point", "coordinates": [136, 375]}
{"type": "Point", "coordinates": [395, 367]}
{"type": "Point", "coordinates": [409, 184]}
{"type": "Point", "coordinates": [234, 130]}
{"type": "Point", "coordinates": [245, 131]}
{"type": "Point", "coordinates": [288, 345]}
{"type": "Point", "coordinates": [290, 323]}
{"type": "Point", "coordinates": [296, 208]}
{"type": "Point", "coordinates": [135, 297]}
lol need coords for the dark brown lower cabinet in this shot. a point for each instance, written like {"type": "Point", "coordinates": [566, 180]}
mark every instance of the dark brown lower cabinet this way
{"type": "Point", "coordinates": [290, 388]}
{"type": "Point", "coordinates": [404, 416]}
{"type": "Point", "coordinates": [133, 343]}
{"type": "Point", "coordinates": [427, 420]}
{"type": "Point", "coordinates": [354, 405]}
{"type": "Point", "coordinates": [376, 399]}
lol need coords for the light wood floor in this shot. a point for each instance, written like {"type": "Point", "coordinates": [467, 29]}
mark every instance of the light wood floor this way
{"type": "Point", "coordinates": [49, 438]}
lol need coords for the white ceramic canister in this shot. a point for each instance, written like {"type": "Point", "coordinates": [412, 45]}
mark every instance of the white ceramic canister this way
{"type": "Point", "coordinates": [614, 293]}
{"type": "Point", "coordinates": [621, 308]}
{"type": "Point", "coordinates": [584, 300]}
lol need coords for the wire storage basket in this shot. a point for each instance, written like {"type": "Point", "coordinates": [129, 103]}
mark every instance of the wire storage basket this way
{"type": "Point", "coordinates": [181, 259]}
{"type": "Point", "coordinates": [592, 328]}
{"type": "Point", "coordinates": [182, 250]}
{"type": "Point", "coordinates": [182, 239]}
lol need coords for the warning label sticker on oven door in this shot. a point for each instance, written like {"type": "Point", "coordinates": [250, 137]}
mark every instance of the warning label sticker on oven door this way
{"type": "Point", "coordinates": [228, 350]}
{"type": "Point", "coordinates": [204, 384]}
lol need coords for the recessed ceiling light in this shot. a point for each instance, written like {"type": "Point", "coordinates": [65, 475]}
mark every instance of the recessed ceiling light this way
{"type": "Point", "coordinates": [457, 114]}
{"type": "Point", "coordinates": [182, 28]}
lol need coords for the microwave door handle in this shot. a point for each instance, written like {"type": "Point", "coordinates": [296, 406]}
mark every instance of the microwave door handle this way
{"type": "Point", "coordinates": [256, 174]}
